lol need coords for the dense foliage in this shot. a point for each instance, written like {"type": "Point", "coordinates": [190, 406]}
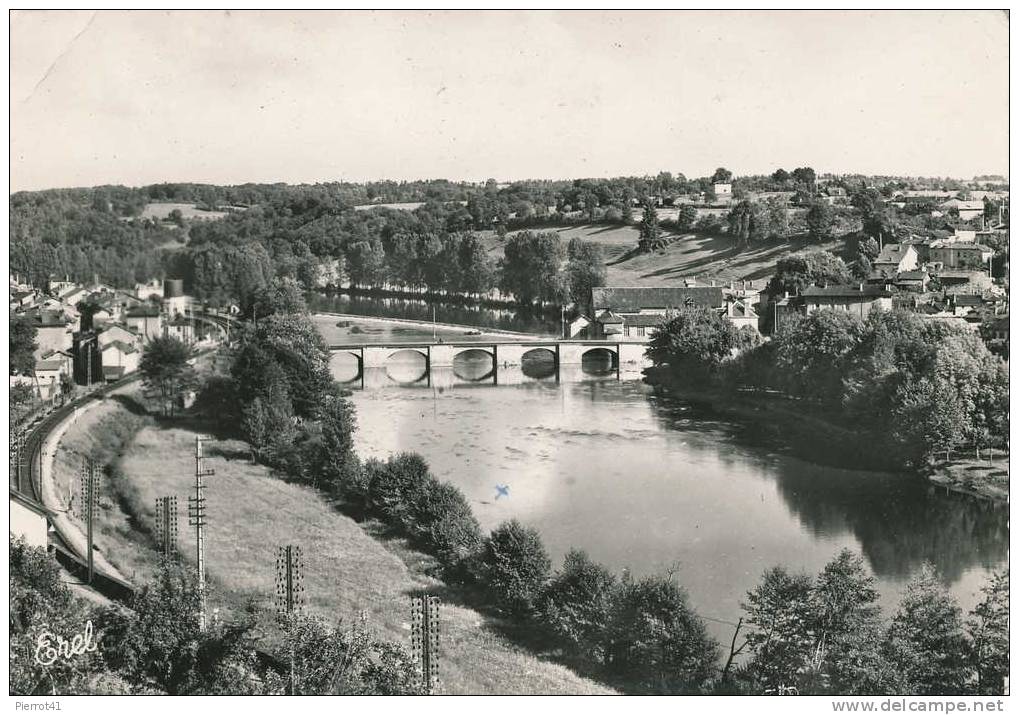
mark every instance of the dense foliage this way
{"type": "Point", "coordinates": [907, 387]}
{"type": "Point", "coordinates": [166, 371]}
{"type": "Point", "coordinates": [826, 635]}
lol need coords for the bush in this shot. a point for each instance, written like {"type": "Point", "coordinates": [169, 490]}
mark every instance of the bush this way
{"type": "Point", "coordinates": [515, 567]}
{"type": "Point", "coordinates": [445, 522]}
{"type": "Point", "coordinates": [395, 488]}
{"type": "Point", "coordinates": [577, 605]}
{"type": "Point", "coordinates": [338, 661]}
{"type": "Point", "coordinates": [40, 602]}
{"type": "Point", "coordinates": [159, 642]}
{"type": "Point", "coordinates": [657, 641]}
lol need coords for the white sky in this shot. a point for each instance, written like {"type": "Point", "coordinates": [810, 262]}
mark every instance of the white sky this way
{"type": "Point", "coordinates": [229, 97]}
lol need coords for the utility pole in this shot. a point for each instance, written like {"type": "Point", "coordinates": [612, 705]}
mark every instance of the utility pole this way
{"type": "Point", "coordinates": [433, 323]}
{"type": "Point", "coordinates": [196, 518]}
{"type": "Point", "coordinates": [166, 526]}
{"type": "Point", "coordinates": [18, 458]}
{"type": "Point", "coordinates": [90, 477]}
{"type": "Point", "coordinates": [424, 638]}
{"type": "Point", "coordinates": [289, 595]}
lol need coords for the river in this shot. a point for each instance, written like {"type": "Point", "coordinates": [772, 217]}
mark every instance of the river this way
{"type": "Point", "coordinates": [646, 482]}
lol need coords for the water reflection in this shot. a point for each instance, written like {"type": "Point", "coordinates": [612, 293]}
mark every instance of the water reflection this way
{"type": "Point", "coordinates": [900, 521]}
{"type": "Point", "coordinates": [407, 367]}
{"type": "Point", "coordinates": [539, 365]}
{"type": "Point", "coordinates": [474, 365]}
{"type": "Point", "coordinates": [502, 318]}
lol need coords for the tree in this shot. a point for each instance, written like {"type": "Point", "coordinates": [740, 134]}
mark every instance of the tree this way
{"type": "Point", "coordinates": [166, 371]}
{"type": "Point", "coordinates": [292, 342]}
{"type": "Point", "coordinates": [988, 634]}
{"type": "Point", "coordinates": [650, 232]}
{"type": "Point", "coordinates": [820, 221]}
{"type": "Point", "coordinates": [585, 269]}
{"type": "Point", "coordinates": [794, 273]}
{"type": "Point", "coordinates": [811, 352]}
{"type": "Point", "coordinates": [868, 248]}
{"type": "Point", "coordinates": [693, 343]}
{"type": "Point", "coordinates": [396, 489]}
{"type": "Point", "coordinates": [721, 176]}
{"type": "Point", "coordinates": [515, 567]}
{"type": "Point", "coordinates": [740, 220]}
{"type": "Point", "coordinates": [23, 345]}
{"type": "Point", "coordinates": [843, 603]}
{"type": "Point", "coordinates": [578, 603]}
{"type": "Point", "coordinates": [925, 640]}
{"type": "Point", "coordinates": [282, 295]}
{"type": "Point", "coordinates": [531, 268]}
{"type": "Point", "coordinates": [445, 523]}
{"type": "Point", "coordinates": [749, 221]}
{"type": "Point", "coordinates": [159, 641]}
{"type": "Point", "coordinates": [781, 177]}
{"type": "Point", "coordinates": [334, 463]}
{"type": "Point", "coordinates": [656, 640]}
{"type": "Point", "coordinates": [687, 217]}
{"type": "Point", "coordinates": [806, 177]}
{"type": "Point", "coordinates": [779, 613]}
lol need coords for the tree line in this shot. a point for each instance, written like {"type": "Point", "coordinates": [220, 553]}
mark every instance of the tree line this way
{"type": "Point", "coordinates": [907, 388]}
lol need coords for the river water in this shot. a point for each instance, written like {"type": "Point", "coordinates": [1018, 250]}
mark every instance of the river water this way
{"type": "Point", "coordinates": [646, 482]}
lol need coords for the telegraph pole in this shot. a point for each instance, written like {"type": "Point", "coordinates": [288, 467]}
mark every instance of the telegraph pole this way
{"type": "Point", "coordinates": [424, 638]}
{"type": "Point", "coordinates": [196, 518]}
{"type": "Point", "coordinates": [90, 477]}
{"type": "Point", "coordinates": [18, 458]}
{"type": "Point", "coordinates": [166, 526]}
{"type": "Point", "coordinates": [289, 595]}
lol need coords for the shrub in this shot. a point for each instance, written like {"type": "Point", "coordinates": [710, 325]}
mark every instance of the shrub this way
{"type": "Point", "coordinates": [656, 639]}
{"type": "Point", "coordinates": [577, 605]}
{"type": "Point", "coordinates": [39, 601]}
{"type": "Point", "coordinates": [445, 522]}
{"type": "Point", "coordinates": [515, 567]}
{"type": "Point", "coordinates": [159, 642]}
{"type": "Point", "coordinates": [338, 661]}
{"type": "Point", "coordinates": [396, 487]}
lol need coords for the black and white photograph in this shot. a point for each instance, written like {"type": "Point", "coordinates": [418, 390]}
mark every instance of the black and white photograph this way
{"type": "Point", "coordinates": [431, 353]}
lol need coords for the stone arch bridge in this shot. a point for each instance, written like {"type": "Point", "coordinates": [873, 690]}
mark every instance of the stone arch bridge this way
{"type": "Point", "coordinates": [503, 353]}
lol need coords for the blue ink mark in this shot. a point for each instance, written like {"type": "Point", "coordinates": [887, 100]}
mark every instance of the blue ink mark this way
{"type": "Point", "coordinates": [501, 490]}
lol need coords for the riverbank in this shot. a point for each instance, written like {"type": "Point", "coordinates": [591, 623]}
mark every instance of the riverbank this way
{"type": "Point", "coordinates": [984, 479]}
{"type": "Point", "coordinates": [787, 425]}
{"type": "Point", "coordinates": [349, 572]}
{"type": "Point", "coordinates": [428, 325]}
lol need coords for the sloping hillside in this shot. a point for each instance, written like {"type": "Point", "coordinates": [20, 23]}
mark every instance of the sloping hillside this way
{"type": "Point", "coordinates": [347, 571]}
{"type": "Point", "coordinates": [689, 255]}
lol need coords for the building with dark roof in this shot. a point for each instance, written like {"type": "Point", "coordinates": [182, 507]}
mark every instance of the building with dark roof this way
{"type": "Point", "coordinates": [856, 299]}
{"type": "Point", "coordinates": [633, 313]}
{"type": "Point", "coordinates": [895, 258]}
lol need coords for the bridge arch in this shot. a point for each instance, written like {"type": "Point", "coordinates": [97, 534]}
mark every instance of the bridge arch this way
{"type": "Point", "coordinates": [346, 365]}
{"type": "Point", "coordinates": [539, 362]}
{"type": "Point", "coordinates": [474, 364]}
{"type": "Point", "coordinates": [599, 360]}
{"type": "Point", "coordinates": [407, 365]}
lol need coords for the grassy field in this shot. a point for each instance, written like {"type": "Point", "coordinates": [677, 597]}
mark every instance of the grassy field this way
{"type": "Point", "coordinates": [103, 432]}
{"type": "Point", "coordinates": [689, 255]}
{"type": "Point", "coordinates": [347, 571]}
{"type": "Point", "coordinates": [160, 211]}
